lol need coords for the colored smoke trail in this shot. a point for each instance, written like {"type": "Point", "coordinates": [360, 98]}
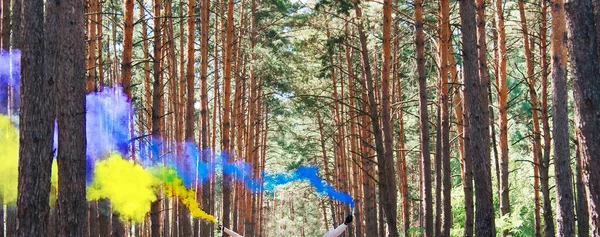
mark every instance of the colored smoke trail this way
{"type": "Point", "coordinates": [130, 188]}
{"type": "Point", "coordinates": [9, 160]}
{"type": "Point", "coordinates": [10, 64]}
{"type": "Point", "coordinates": [173, 186]}
{"type": "Point", "coordinates": [310, 174]}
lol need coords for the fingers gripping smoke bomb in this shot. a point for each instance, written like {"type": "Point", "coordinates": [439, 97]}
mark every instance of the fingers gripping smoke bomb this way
{"type": "Point", "coordinates": [340, 229]}
{"type": "Point", "coordinates": [228, 231]}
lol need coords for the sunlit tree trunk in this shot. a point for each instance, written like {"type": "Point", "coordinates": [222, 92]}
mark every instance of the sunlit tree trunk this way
{"type": "Point", "coordinates": [477, 110]}
{"type": "Point", "coordinates": [586, 93]}
{"type": "Point", "coordinates": [444, 29]}
{"type": "Point", "coordinates": [531, 81]}
{"type": "Point", "coordinates": [503, 112]}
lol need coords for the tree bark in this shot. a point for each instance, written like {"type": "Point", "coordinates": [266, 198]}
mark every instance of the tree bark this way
{"type": "Point", "coordinates": [477, 110]}
{"type": "Point", "coordinates": [583, 215]}
{"type": "Point", "coordinates": [36, 122]}
{"type": "Point", "coordinates": [565, 221]}
{"type": "Point", "coordinates": [387, 173]}
{"type": "Point", "coordinates": [586, 92]}
{"type": "Point", "coordinates": [503, 113]}
{"type": "Point", "coordinates": [157, 116]}
{"type": "Point", "coordinates": [127, 48]}
{"type": "Point", "coordinates": [225, 145]}
{"type": "Point", "coordinates": [66, 55]}
{"type": "Point", "coordinates": [425, 161]}
{"type": "Point", "coordinates": [531, 81]}
{"type": "Point", "coordinates": [444, 26]}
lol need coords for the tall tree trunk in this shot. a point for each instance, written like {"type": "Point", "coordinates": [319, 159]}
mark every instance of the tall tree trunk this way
{"type": "Point", "coordinates": [354, 136]}
{"type": "Point", "coordinates": [370, 204]}
{"type": "Point", "coordinates": [583, 215]}
{"type": "Point", "coordinates": [36, 122]}
{"type": "Point", "coordinates": [565, 221]}
{"type": "Point", "coordinates": [531, 81]}
{"type": "Point", "coordinates": [477, 110]}
{"type": "Point", "coordinates": [425, 161]}
{"type": "Point", "coordinates": [586, 93]}
{"type": "Point", "coordinates": [204, 21]}
{"type": "Point", "coordinates": [387, 173]}
{"type": "Point", "coordinates": [444, 26]}
{"type": "Point", "coordinates": [545, 162]}
{"type": "Point", "coordinates": [127, 48]}
{"type": "Point", "coordinates": [503, 113]}
{"type": "Point", "coordinates": [66, 55]}
{"type": "Point", "coordinates": [157, 116]}
{"type": "Point", "coordinates": [466, 162]}
{"type": "Point", "coordinates": [225, 145]}
{"type": "Point", "coordinates": [184, 220]}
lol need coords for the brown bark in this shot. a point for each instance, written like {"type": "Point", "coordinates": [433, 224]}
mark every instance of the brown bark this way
{"type": "Point", "coordinates": [127, 48]}
{"type": "Point", "coordinates": [354, 137]}
{"type": "Point", "coordinates": [477, 110]}
{"type": "Point", "coordinates": [444, 26]}
{"type": "Point", "coordinates": [205, 16]}
{"type": "Point", "coordinates": [502, 113]}
{"type": "Point", "coordinates": [66, 50]}
{"type": "Point", "coordinates": [545, 162]}
{"type": "Point", "coordinates": [586, 92]}
{"type": "Point", "coordinates": [91, 76]}
{"type": "Point", "coordinates": [36, 122]}
{"type": "Point", "coordinates": [387, 178]}
{"type": "Point", "coordinates": [157, 116]}
{"type": "Point", "coordinates": [425, 161]}
{"type": "Point", "coordinates": [184, 219]}
{"type": "Point", "coordinates": [531, 81]}
{"type": "Point", "coordinates": [225, 145]}
{"type": "Point", "coordinates": [368, 169]}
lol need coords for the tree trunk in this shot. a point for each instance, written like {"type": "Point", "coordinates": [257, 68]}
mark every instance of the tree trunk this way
{"type": "Point", "coordinates": [225, 145]}
{"type": "Point", "coordinates": [387, 173]}
{"type": "Point", "coordinates": [127, 48]}
{"type": "Point", "coordinates": [184, 219]}
{"type": "Point", "coordinates": [564, 191]}
{"type": "Point", "coordinates": [586, 93]}
{"type": "Point", "coordinates": [462, 130]}
{"type": "Point", "coordinates": [503, 113]}
{"type": "Point", "coordinates": [36, 123]}
{"type": "Point", "coordinates": [157, 116]}
{"type": "Point", "coordinates": [444, 30]}
{"type": "Point", "coordinates": [423, 122]}
{"type": "Point", "coordinates": [531, 81]}
{"type": "Point", "coordinates": [17, 29]}
{"type": "Point", "coordinates": [370, 204]}
{"type": "Point", "coordinates": [544, 163]}
{"type": "Point", "coordinates": [583, 216]}
{"type": "Point", "coordinates": [205, 16]}
{"type": "Point", "coordinates": [477, 110]}
{"type": "Point", "coordinates": [66, 55]}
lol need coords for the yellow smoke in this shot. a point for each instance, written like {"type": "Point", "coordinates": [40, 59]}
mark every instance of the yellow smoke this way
{"type": "Point", "coordinates": [54, 184]}
{"type": "Point", "coordinates": [188, 197]}
{"type": "Point", "coordinates": [129, 187]}
{"type": "Point", "coordinates": [9, 160]}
